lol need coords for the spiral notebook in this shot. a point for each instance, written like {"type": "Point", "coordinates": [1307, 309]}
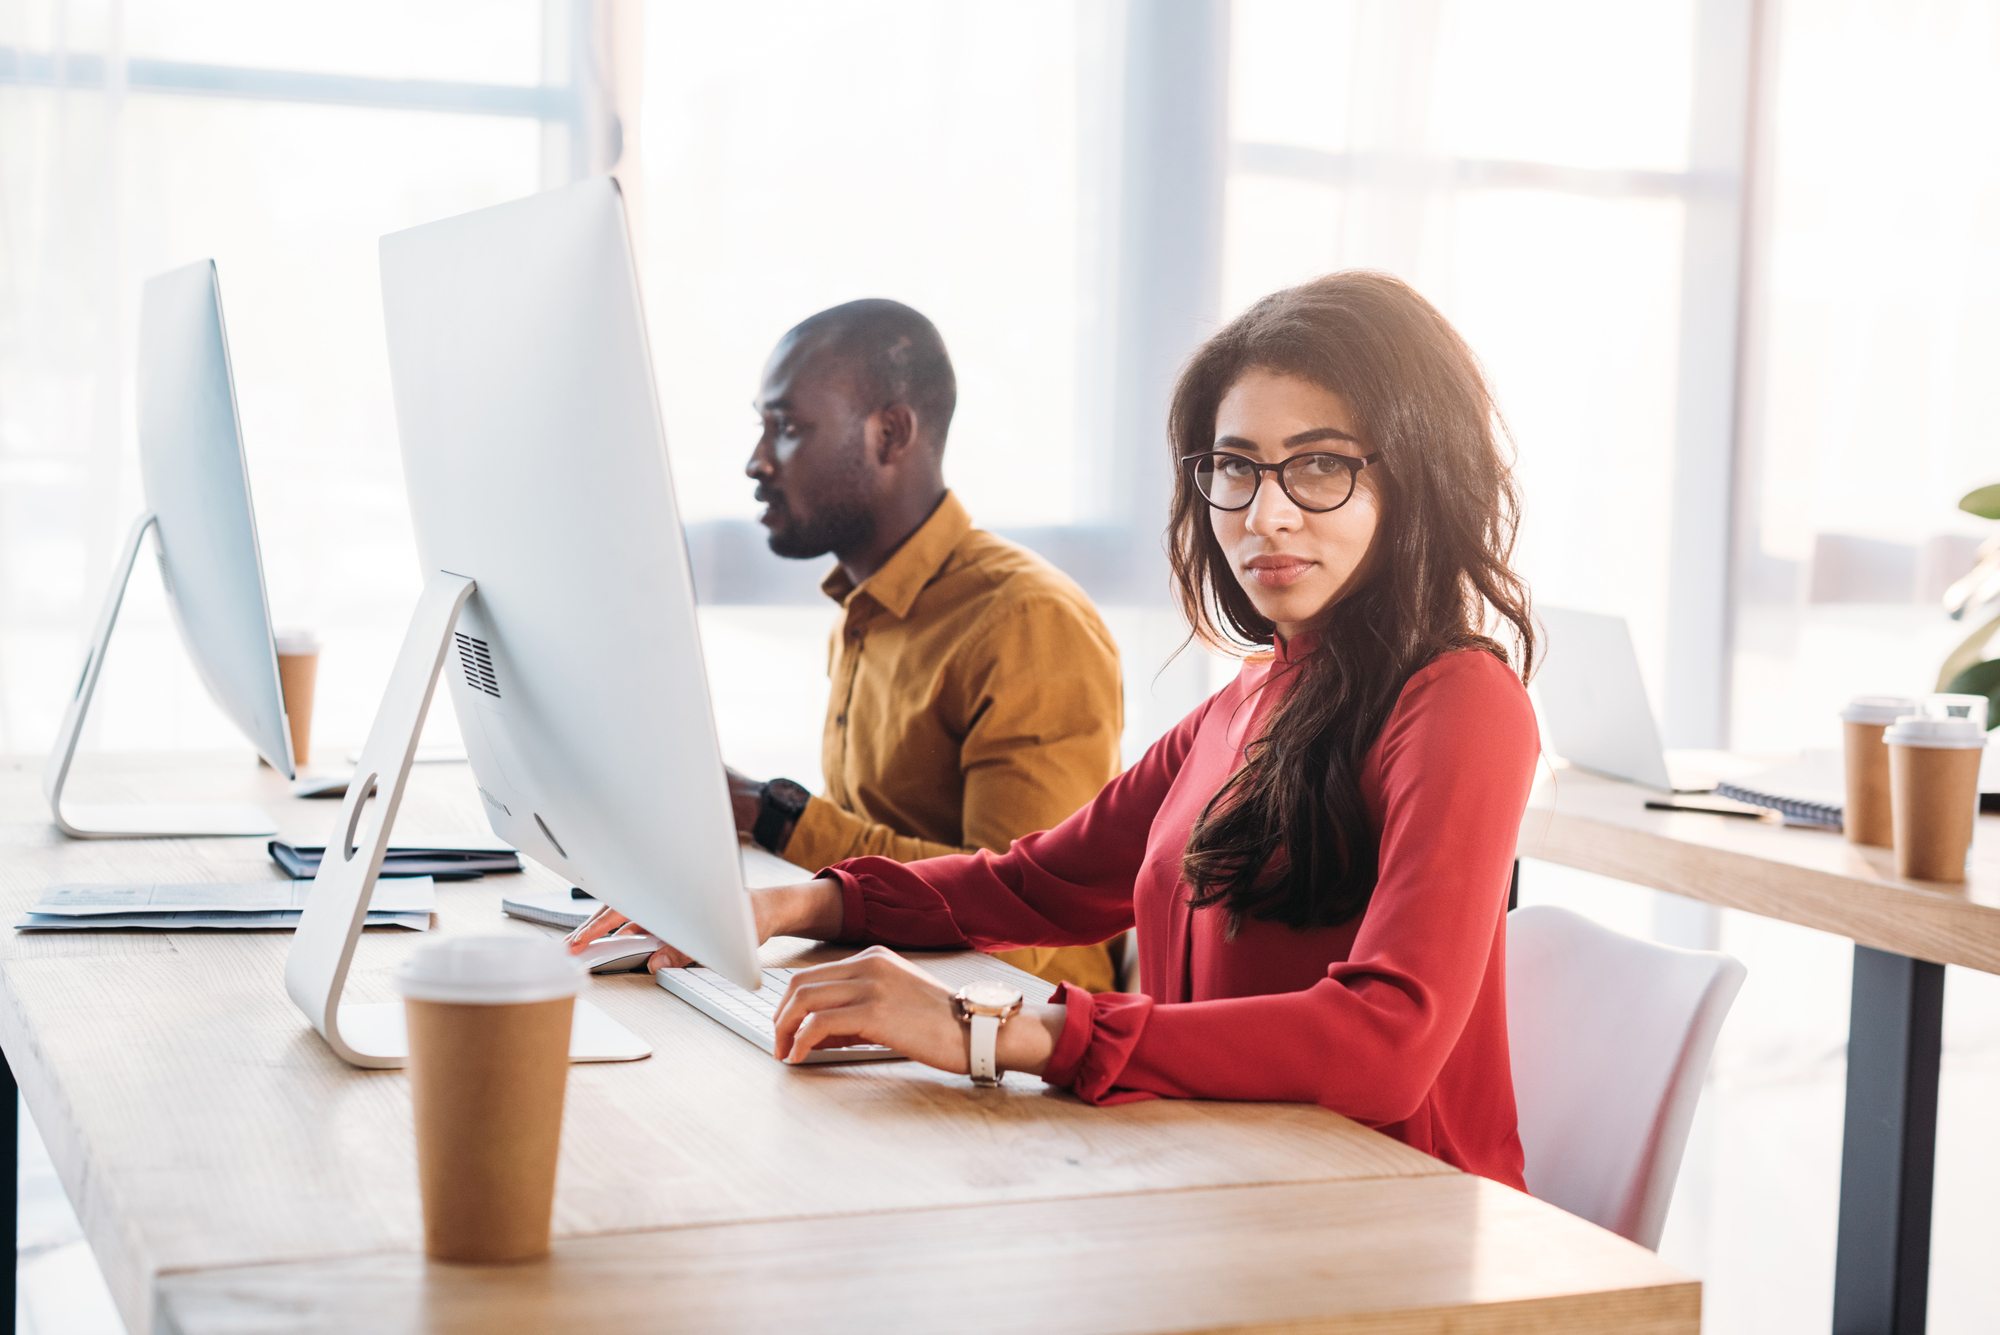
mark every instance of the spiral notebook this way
{"type": "Point", "coordinates": [1795, 810]}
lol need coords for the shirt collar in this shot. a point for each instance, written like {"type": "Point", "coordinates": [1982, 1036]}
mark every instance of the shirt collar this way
{"type": "Point", "coordinates": [903, 576]}
{"type": "Point", "coordinates": [1291, 651]}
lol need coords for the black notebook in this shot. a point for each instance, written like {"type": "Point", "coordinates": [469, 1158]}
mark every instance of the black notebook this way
{"type": "Point", "coordinates": [441, 864]}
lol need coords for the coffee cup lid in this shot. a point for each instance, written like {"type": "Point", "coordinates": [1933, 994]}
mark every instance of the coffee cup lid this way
{"type": "Point", "coordinates": [491, 971]}
{"type": "Point", "coordinates": [1878, 708]}
{"type": "Point", "coordinates": [1954, 706]}
{"type": "Point", "coordinates": [1955, 734]}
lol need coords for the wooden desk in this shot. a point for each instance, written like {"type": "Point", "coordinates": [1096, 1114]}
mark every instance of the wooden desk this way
{"type": "Point", "coordinates": [1904, 931]}
{"type": "Point", "coordinates": [232, 1175]}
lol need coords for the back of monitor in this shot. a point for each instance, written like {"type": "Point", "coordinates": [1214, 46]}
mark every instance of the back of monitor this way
{"type": "Point", "coordinates": [197, 484]}
{"type": "Point", "coordinates": [204, 530]}
{"type": "Point", "coordinates": [537, 467]}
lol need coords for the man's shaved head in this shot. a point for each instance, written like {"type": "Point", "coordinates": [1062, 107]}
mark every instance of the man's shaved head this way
{"type": "Point", "coordinates": [855, 405]}
{"type": "Point", "coordinates": [895, 356]}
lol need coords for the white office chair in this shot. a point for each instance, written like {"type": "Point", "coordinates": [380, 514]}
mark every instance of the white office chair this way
{"type": "Point", "coordinates": [1610, 1040]}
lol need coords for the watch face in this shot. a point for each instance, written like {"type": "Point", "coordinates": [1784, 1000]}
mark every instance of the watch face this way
{"type": "Point", "coordinates": [991, 996]}
{"type": "Point", "coordinates": [789, 797]}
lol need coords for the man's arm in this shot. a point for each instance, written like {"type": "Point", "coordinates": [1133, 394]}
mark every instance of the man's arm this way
{"type": "Point", "coordinates": [827, 834]}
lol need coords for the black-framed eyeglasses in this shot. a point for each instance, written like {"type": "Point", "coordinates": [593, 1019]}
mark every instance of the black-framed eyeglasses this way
{"type": "Point", "coordinates": [1315, 482]}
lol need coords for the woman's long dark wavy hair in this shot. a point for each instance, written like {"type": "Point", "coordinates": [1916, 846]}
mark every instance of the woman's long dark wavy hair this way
{"type": "Point", "coordinates": [1288, 838]}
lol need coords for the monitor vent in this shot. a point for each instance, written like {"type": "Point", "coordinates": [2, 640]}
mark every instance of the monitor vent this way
{"type": "Point", "coordinates": [474, 657]}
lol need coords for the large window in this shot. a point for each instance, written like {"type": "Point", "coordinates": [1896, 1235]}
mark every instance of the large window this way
{"type": "Point", "coordinates": [1881, 322]}
{"type": "Point", "coordinates": [1527, 167]}
{"type": "Point", "coordinates": [797, 157]}
{"type": "Point", "coordinates": [281, 142]}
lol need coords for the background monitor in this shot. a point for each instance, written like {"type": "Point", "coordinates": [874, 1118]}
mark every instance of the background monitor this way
{"type": "Point", "coordinates": [537, 467]}
{"type": "Point", "coordinates": [197, 485]}
{"type": "Point", "coordinates": [197, 488]}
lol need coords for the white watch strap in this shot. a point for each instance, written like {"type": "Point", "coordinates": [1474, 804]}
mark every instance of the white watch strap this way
{"type": "Point", "coordinates": [982, 1036]}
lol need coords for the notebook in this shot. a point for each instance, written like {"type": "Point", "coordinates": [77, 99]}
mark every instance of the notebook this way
{"type": "Point", "coordinates": [442, 864]}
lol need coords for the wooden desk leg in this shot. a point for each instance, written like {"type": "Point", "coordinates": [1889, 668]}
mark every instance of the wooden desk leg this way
{"type": "Point", "coordinates": [10, 1127]}
{"type": "Point", "coordinates": [1881, 1276]}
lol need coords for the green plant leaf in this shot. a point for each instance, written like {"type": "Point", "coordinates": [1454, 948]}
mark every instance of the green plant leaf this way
{"type": "Point", "coordinates": [1984, 502]}
{"type": "Point", "coordinates": [1981, 679]}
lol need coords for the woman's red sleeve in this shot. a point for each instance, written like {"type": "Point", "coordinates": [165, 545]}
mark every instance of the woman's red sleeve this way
{"type": "Point", "coordinates": [1457, 760]}
{"type": "Point", "coordinates": [1070, 886]}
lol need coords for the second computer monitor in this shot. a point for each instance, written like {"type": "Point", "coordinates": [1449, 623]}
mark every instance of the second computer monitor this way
{"type": "Point", "coordinates": [537, 467]}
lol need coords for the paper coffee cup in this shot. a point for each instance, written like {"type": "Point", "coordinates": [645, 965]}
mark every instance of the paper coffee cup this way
{"type": "Point", "coordinates": [489, 1022]}
{"type": "Point", "coordinates": [1934, 793]}
{"type": "Point", "coordinates": [298, 669]}
{"type": "Point", "coordinates": [1865, 818]}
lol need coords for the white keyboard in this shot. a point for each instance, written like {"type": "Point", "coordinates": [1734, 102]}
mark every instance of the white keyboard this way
{"type": "Point", "coordinates": [753, 1014]}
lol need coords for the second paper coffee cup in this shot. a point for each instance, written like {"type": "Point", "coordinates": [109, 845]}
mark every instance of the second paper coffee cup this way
{"type": "Point", "coordinates": [1934, 793]}
{"type": "Point", "coordinates": [489, 1022]}
{"type": "Point", "coordinates": [298, 671]}
{"type": "Point", "coordinates": [1866, 819]}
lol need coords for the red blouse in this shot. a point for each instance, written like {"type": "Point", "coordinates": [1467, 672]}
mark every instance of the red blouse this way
{"type": "Point", "coordinates": [1397, 1018]}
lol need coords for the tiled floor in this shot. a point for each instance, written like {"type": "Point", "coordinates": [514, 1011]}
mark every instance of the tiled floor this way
{"type": "Point", "coordinates": [60, 1289]}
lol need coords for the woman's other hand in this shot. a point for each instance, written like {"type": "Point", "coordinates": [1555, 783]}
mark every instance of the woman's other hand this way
{"type": "Point", "coordinates": [811, 909]}
{"type": "Point", "coordinates": [610, 922]}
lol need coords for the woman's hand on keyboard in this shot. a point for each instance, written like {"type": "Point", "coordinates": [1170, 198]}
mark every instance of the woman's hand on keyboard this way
{"type": "Point", "coordinates": [880, 997]}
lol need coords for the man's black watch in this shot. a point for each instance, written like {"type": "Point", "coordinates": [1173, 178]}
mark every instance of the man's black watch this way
{"type": "Point", "coordinates": [778, 810]}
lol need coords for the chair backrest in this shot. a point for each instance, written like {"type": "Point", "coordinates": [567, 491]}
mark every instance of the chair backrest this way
{"type": "Point", "coordinates": [1610, 1039]}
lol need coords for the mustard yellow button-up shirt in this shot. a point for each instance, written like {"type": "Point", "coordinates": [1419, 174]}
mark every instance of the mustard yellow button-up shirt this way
{"type": "Point", "coordinates": [976, 698]}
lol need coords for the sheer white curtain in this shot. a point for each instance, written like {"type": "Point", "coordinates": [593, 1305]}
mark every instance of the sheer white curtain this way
{"type": "Point", "coordinates": [1527, 167]}
{"type": "Point", "coordinates": [282, 142]}
{"type": "Point", "coordinates": [1881, 333]}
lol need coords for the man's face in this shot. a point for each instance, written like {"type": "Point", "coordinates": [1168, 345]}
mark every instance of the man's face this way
{"type": "Point", "coordinates": [811, 462]}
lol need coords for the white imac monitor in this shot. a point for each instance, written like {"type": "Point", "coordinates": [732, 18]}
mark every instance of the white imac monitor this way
{"type": "Point", "coordinates": [197, 489]}
{"type": "Point", "coordinates": [558, 602]}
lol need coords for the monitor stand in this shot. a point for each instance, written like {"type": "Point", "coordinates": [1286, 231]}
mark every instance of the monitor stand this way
{"type": "Point", "coordinates": [152, 820]}
{"type": "Point", "coordinates": [323, 947]}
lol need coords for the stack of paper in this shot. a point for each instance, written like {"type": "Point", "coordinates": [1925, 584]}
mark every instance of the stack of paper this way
{"type": "Point", "coordinates": [271, 905]}
{"type": "Point", "coordinates": [567, 909]}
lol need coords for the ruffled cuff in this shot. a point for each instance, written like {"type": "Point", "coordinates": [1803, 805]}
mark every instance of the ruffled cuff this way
{"type": "Point", "coordinates": [1099, 1034]}
{"type": "Point", "coordinates": [853, 906]}
{"type": "Point", "coordinates": [1078, 1020]}
{"type": "Point", "coordinates": [882, 903]}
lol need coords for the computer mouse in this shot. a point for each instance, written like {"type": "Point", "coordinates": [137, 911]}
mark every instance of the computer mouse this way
{"type": "Point", "coordinates": [621, 952]}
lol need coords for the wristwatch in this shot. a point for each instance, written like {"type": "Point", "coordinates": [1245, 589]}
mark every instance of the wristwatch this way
{"type": "Point", "coordinates": [782, 803]}
{"type": "Point", "coordinates": [982, 1008]}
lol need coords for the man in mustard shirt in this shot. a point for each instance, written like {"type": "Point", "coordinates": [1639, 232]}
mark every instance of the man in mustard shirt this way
{"type": "Point", "coordinates": [976, 694]}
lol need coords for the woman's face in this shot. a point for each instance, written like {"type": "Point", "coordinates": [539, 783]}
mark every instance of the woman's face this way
{"type": "Point", "coordinates": [1295, 564]}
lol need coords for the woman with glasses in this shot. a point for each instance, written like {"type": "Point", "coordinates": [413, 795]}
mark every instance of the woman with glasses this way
{"type": "Point", "coordinates": [1317, 858]}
